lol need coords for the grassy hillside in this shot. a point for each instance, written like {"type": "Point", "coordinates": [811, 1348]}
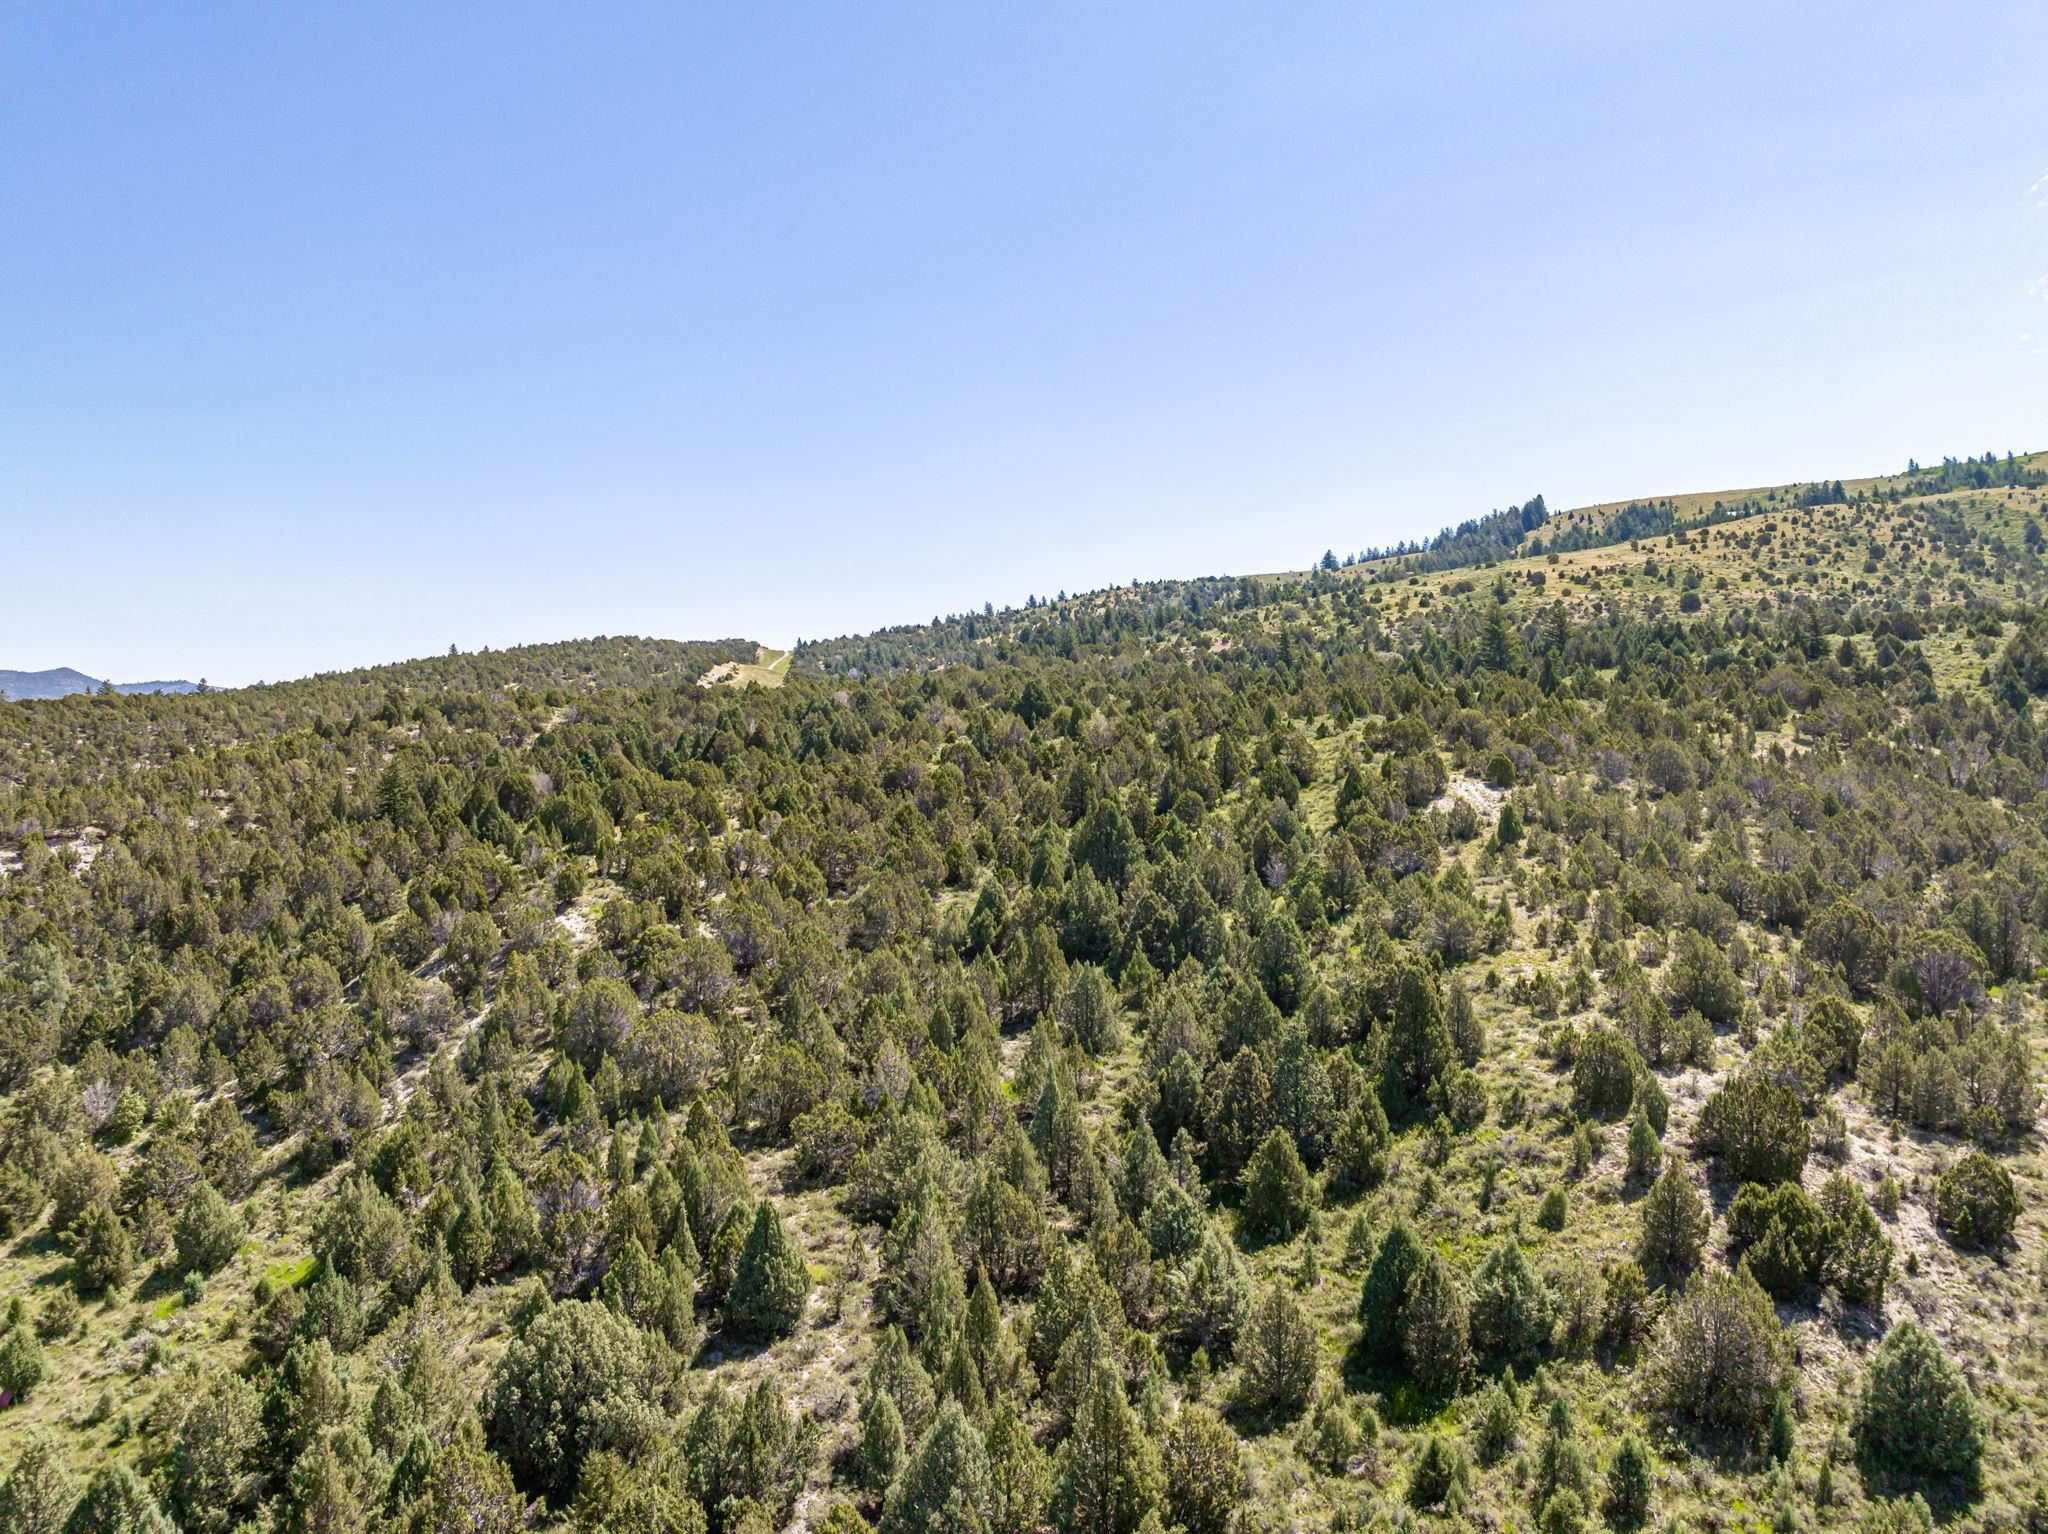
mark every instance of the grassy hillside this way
{"type": "Point", "coordinates": [1550, 1042]}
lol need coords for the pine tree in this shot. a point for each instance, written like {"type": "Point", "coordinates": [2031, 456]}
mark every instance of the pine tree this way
{"type": "Point", "coordinates": [1107, 1478]}
{"type": "Point", "coordinates": [771, 1285]}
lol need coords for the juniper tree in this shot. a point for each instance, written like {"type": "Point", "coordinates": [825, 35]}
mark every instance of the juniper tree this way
{"type": "Point", "coordinates": [1384, 1294]}
{"type": "Point", "coordinates": [1277, 1353]}
{"type": "Point", "coordinates": [1278, 1196]}
{"type": "Point", "coordinates": [1107, 1478]}
{"type": "Point", "coordinates": [1435, 1327]}
{"type": "Point", "coordinates": [39, 1493]}
{"type": "Point", "coordinates": [1512, 1307]}
{"type": "Point", "coordinates": [1915, 1413]}
{"type": "Point", "coordinates": [1674, 1228]}
{"type": "Point", "coordinates": [1205, 1471]}
{"type": "Point", "coordinates": [771, 1285]}
{"type": "Point", "coordinates": [945, 1487]}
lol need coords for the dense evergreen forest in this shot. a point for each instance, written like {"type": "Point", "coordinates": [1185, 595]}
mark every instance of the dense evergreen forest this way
{"type": "Point", "coordinates": [1529, 1032]}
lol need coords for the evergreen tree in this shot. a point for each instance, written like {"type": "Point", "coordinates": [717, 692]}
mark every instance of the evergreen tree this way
{"type": "Point", "coordinates": [1419, 1043]}
{"type": "Point", "coordinates": [38, 1493]}
{"type": "Point", "coordinates": [1384, 1295]}
{"type": "Point", "coordinates": [1279, 1198]}
{"type": "Point", "coordinates": [1277, 1353]}
{"type": "Point", "coordinates": [470, 1491]}
{"type": "Point", "coordinates": [1106, 1478]}
{"type": "Point", "coordinates": [22, 1364]}
{"type": "Point", "coordinates": [1674, 1225]}
{"type": "Point", "coordinates": [208, 1232]}
{"type": "Point", "coordinates": [1719, 1358]}
{"type": "Point", "coordinates": [214, 1455]}
{"type": "Point", "coordinates": [1020, 1477]}
{"type": "Point", "coordinates": [101, 1253]}
{"type": "Point", "coordinates": [881, 1442]}
{"type": "Point", "coordinates": [772, 1285]}
{"type": "Point", "coordinates": [567, 1381]}
{"type": "Point", "coordinates": [946, 1486]}
{"type": "Point", "coordinates": [1512, 1307]}
{"type": "Point", "coordinates": [1440, 1475]}
{"type": "Point", "coordinates": [1627, 1503]}
{"type": "Point", "coordinates": [1358, 1160]}
{"type": "Point", "coordinates": [1435, 1327]}
{"type": "Point", "coordinates": [117, 1502]}
{"type": "Point", "coordinates": [1915, 1413]}
{"type": "Point", "coordinates": [1205, 1472]}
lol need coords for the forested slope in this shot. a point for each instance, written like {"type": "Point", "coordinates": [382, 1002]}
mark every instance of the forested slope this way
{"type": "Point", "coordinates": [1377, 1046]}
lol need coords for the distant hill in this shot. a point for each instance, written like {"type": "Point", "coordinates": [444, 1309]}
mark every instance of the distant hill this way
{"type": "Point", "coordinates": [20, 686]}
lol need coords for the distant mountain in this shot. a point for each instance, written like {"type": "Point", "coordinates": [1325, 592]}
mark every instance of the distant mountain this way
{"type": "Point", "coordinates": [21, 686]}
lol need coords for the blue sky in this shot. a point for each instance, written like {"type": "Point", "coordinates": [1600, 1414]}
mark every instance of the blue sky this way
{"type": "Point", "coordinates": [332, 334]}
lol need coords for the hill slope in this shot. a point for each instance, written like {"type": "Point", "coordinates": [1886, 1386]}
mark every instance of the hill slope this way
{"type": "Point", "coordinates": [1354, 1048]}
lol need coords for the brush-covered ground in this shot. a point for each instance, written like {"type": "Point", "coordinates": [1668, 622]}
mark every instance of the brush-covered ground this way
{"type": "Point", "coordinates": [1526, 1036]}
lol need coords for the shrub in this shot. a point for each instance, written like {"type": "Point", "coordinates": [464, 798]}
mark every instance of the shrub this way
{"type": "Point", "coordinates": [1719, 1356]}
{"type": "Point", "coordinates": [1975, 1201]}
{"type": "Point", "coordinates": [1604, 1071]}
{"type": "Point", "coordinates": [1915, 1414]}
{"type": "Point", "coordinates": [208, 1231]}
{"type": "Point", "coordinates": [1550, 1214]}
{"type": "Point", "coordinates": [1755, 1130]}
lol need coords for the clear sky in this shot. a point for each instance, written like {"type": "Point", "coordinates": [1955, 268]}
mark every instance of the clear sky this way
{"type": "Point", "coordinates": [338, 333]}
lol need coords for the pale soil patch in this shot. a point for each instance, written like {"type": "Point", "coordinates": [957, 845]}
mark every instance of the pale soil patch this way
{"type": "Point", "coordinates": [1484, 799]}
